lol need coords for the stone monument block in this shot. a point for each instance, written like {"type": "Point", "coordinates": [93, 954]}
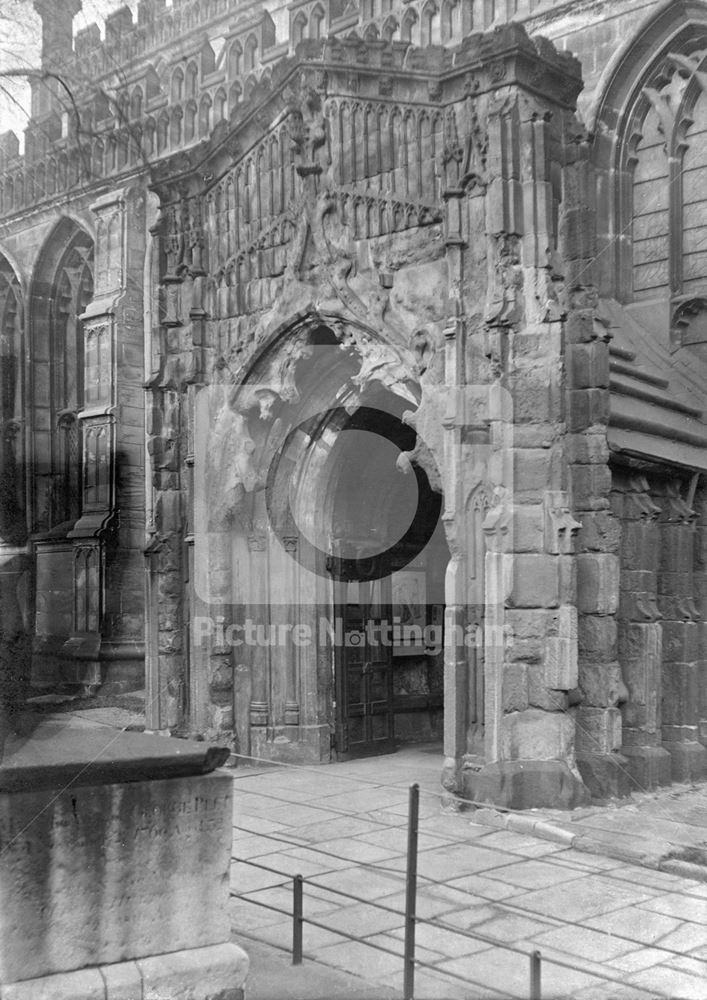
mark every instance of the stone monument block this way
{"type": "Point", "coordinates": [114, 884]}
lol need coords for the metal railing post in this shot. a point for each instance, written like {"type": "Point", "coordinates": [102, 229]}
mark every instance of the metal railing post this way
{"type": "Point", "coordinates": [535, 976]}
{"type": "Point", "coordinates": [411, 893]}
{"type": "Point", "coordinates": [297, 922]}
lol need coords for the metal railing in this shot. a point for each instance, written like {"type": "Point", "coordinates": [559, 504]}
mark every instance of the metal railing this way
{"type": "Point", "coordinates": [410, 921]}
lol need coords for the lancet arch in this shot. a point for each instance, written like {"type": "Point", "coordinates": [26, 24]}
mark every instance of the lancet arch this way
{"type": "Point", "coordinates": [62, 287]}
{"type": "Point", "coordinates": [13, 526]}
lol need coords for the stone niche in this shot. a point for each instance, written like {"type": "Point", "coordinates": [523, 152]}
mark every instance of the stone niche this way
{"type": "Point", "coordinates": [114, 868]}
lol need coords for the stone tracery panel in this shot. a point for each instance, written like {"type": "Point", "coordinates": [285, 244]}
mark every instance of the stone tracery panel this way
{"type": "Point", "coordinates": [62, 291]}
{"type": "Point", "coordinates": [651, 211]}
{"type": "Point", "coordinates": [12, 521]}
{"type": "Point", "coordinates": [694, 207]}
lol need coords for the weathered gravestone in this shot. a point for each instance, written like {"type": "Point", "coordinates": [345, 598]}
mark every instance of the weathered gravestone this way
{"type": "Point", "coordinates": [114, 867]}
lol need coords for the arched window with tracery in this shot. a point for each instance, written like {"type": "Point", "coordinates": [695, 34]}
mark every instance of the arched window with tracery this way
{"type": "Point", "coordinates": [12, 467]}
{"type": "Point", "coordinates": [650, 225]}
{"type": "Point", "coordinates": [62, 289]}
{"type": "Point", "coordinates": [316, 23]}
{"type": "Point", "coordinates": [650, 148]}
{"type": "Point", "coordinates": [691, 278]}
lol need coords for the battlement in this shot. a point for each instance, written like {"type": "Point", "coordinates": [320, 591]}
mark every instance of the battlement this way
{"type": "Point", "coordinates": [165, 80]}
{"type": "Point", "coordinates": [392, 20]}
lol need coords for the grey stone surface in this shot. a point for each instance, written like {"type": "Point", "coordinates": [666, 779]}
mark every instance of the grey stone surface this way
{"type": "Point", "coordinates": [610, 920]}
{"type": "Point", "coordinates": [69, 750]}
{"type": "Point", "coordinates": [101, 873]}
{"type": "Point", "coordinates": [215, 973]}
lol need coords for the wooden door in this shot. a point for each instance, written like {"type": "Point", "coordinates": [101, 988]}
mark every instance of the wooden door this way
{"type": "Point", "coordinates": [364, 670]}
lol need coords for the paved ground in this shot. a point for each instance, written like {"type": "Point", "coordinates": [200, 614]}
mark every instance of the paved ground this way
{"type": "Point", "coordinates": [496, 886]}
{"type": "Point", "coordinates": [624, 930]}
{"type": "Point", "coordinates": [666, 829]}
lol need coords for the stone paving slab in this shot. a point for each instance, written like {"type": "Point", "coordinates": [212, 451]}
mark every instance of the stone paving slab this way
{"type": "Point", "coordinates": [273, 977]}
{"type": "Point", "coordinates": [508, 973]}
{"type": "Point", "coordinates": [637, 927]}
{"type": "Point", "coordinates": [304, 861]}
{"type": "Point", "coordinates": [341, 826]}
{"type": "Point", "coordinates": [280, 934]}
{"type": "Point", "coordinates": [251, 823]}
{"type": "Point", "coordinates": [581, 941]}
{"type": "Point", "coordinates": [356, 955]}
{"type": "Point", "coordinates": [532, 874]}
{"type": "Point", "coordinates": [586, 897]}
{"type": "Point", "coordinates": [664, 829]}
{"type": "Point", "coordinates": [671, 981]}
{"type": "Point", "coordinates": [635, 924]}
{"type": "Point", "coordinates": [639, 959]}
{"type": "Point", "coordinates": [678, 905]}
{"type": "Point", "coordinates": [375, 885]}
{"type": "Point", "coordinates": [435, 985]}
{"type": "Point", "coordinates": [440, 941]}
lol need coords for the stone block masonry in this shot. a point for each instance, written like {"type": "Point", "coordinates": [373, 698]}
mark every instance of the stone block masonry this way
{"type": "Point", "coordinates": [115, 885]}
{"type": "Point", "coordinates": [112, 872]}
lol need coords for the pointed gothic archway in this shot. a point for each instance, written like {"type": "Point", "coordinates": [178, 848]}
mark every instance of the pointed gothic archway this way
{"type": "Point", "coordinates": [333, 572]}
{"type": "Point", "coordinates": [62, 287]}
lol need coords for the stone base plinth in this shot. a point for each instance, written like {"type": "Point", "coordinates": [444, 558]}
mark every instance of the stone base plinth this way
{"type": "Point", "coordinates": [115, 853]}
{"type": "Point", "coordinates": [606, 775]}
{"type": "Point", "coordinates": [217, 972]}
{"type": "Point", "coordinates": [648, 767]}
{"type": "Point", "coordinates": [293, 744]}
{"type": "Point", "coordinates": [688, 760]}
{"type": "Point", "coordinates": [96, 874]}
{"type": "Point", "coordinates": [525, 784]}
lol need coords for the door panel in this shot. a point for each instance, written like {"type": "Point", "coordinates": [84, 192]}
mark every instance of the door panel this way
{"type": "Point", "coordinates": [364, 673]}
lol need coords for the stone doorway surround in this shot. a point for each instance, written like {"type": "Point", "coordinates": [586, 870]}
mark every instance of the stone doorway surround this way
{"type": "Point", "coordinates": [285, 514]}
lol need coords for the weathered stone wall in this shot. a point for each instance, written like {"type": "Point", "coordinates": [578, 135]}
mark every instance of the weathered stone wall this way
{"type": "Point", "coordinates": [426, 195]}
{"type": "Point", "coordinates": [102, 605]}
{"type": "Point", "coordinates": [361, 178]}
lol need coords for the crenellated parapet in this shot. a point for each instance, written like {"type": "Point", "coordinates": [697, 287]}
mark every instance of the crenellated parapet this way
{"type": "Point", "coordinates": [164, 81]}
